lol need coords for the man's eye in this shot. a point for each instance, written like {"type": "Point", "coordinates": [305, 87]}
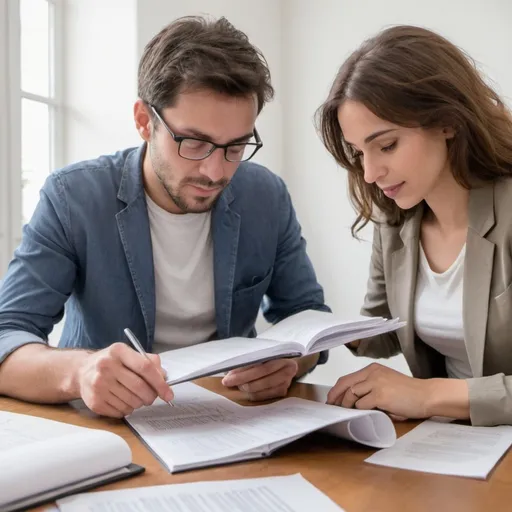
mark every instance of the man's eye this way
{"type": "Point", "coordinates": [195, 144]}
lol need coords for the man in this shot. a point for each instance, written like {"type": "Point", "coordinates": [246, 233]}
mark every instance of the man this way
{"type": "Point", "coordinates": [179, 240]}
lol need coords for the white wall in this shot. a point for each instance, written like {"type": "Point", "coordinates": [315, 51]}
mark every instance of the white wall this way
{"type": "Point", "coordinates": [100, 69]}
{"type": "Point", "coordinates": [317, 36]}
{"type": "Point", "coordinates": [262, 22]}
{"type": "Point", "coordinates": [99, 81]}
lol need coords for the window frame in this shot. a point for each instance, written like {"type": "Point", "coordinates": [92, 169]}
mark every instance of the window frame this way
{"type": "Point", "coordinates": [11, 96]}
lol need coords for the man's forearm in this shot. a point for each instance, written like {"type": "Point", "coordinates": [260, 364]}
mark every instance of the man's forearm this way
{"type": "Point", "coordinates": [38, 373]}
{"type": "Point", "coordinates": [306, 363]}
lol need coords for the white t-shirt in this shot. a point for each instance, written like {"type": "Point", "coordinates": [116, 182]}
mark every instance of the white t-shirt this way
{"type": "Point", "coordinates": [184, 287]}
{"type": "Point", "coordinates": [438, 319]}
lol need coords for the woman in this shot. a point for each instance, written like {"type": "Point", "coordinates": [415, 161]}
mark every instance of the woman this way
{"type": "Point", "coordinates": [428, 148]}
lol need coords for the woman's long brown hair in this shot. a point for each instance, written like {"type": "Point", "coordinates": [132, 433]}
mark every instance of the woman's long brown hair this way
{"type": "Point", "coordinates": [413, 77]}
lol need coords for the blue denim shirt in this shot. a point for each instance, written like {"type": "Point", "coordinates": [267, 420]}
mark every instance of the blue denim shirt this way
{"type": "Point", "coordinates": [87, 249]}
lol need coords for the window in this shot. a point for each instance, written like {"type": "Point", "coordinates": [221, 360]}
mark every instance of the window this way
{"type": "Point", "coordinates": [39, 105]}
{"type": "Point", "coordinates": [31, 94]}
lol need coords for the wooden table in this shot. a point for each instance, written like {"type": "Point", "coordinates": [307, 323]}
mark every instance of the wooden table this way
{"type": "Point", "coordinates": [334, 466]}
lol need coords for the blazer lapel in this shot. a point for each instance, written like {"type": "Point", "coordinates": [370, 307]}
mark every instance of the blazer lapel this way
{"type": "Point", "coordinates": [404, 269]}
{"type": "Point", "coordinates": [225, 232]}
{"type": "Point", "coordinates": [477, 275]}
{"type": "Point", "coordinates": [134, 230]}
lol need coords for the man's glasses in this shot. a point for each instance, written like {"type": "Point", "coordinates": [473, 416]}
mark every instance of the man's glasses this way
{"type": "Point", "coordinates": [193, 148]}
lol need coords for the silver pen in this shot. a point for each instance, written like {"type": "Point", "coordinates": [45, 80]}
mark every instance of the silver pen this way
{"type": "Point", "coordinates": [139, 348]}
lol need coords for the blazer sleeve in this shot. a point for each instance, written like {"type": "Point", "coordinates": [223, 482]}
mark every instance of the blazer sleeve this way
{"type": "Point", "coordinates": [490, 400]}
{"type": "Point", "coordinates": [376, 304]}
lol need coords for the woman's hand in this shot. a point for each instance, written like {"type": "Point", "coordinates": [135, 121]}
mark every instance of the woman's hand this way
{"type": "Point", "coordinates": [380, 387]}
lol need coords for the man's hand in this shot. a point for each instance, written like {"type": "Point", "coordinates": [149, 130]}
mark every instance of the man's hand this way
{"type": "Point", "coordinates": [117, 380]}
{"type": "Point", "coordinates": [263, 381]}
{"type": "Point", "coordinates": [380, 387]}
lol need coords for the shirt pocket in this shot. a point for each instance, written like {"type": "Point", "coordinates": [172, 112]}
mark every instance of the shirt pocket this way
{"type": "Point", "coordinates": [246, 304]}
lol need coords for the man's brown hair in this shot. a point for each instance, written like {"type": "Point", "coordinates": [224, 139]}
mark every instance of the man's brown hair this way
{"type": "Point", "coordinates": [196, 53]}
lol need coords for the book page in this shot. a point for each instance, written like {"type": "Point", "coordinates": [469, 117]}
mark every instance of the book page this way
{"type": "Point", "coordinates": [371, 428]}
{"type": "Point", "coordinates": [306, 326]}
{"type": "Point", "coordinates": [334, 340]}
{"type": "Point", "coordinates": [197, 360]}
{"type": "Point", "coordinates": [189, 400]}
{"type": "Point", "coordinates": [294, 417]}
{"type": "Point", "coordinates": [448, 449]}
{"type": "Point", "coordinates": [38, 454]}
{"type": "Point", "coordinates": [181, 440]}
{"type": "Point", "coordinates": [216, 433]}
{"type": "Point", "coordinates": [272, 494]}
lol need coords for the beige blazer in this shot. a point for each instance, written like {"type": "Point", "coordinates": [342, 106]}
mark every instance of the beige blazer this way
{"type": "Point", "coordinates": [487, 301]}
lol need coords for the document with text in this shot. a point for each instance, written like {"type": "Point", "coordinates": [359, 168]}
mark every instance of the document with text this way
{"type": "Point", "coordinates": [448, 449]}
{"type": "Point", "coordinates": [273, 494]}
{"type": "Point", "coordinates": [205, 429]}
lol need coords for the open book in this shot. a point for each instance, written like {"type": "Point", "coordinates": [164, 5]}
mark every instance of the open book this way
{"type": "Point", "coordinates": [206, 429]}
{"type": "Point", "coordinates": [301, 334]}
{"type": "Point", "coordinates": [42, 460]}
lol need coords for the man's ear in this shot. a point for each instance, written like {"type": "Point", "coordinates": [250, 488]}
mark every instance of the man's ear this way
{"type": "Point", "coordinates": [142, 118]}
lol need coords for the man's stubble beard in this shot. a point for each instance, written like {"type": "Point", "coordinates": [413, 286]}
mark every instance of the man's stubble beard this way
{"type": "Point", "coordinates": [162, 171]}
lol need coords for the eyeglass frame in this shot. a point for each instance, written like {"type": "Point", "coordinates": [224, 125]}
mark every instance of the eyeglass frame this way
{"type": "Point", "coordinates": [179, 139]}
